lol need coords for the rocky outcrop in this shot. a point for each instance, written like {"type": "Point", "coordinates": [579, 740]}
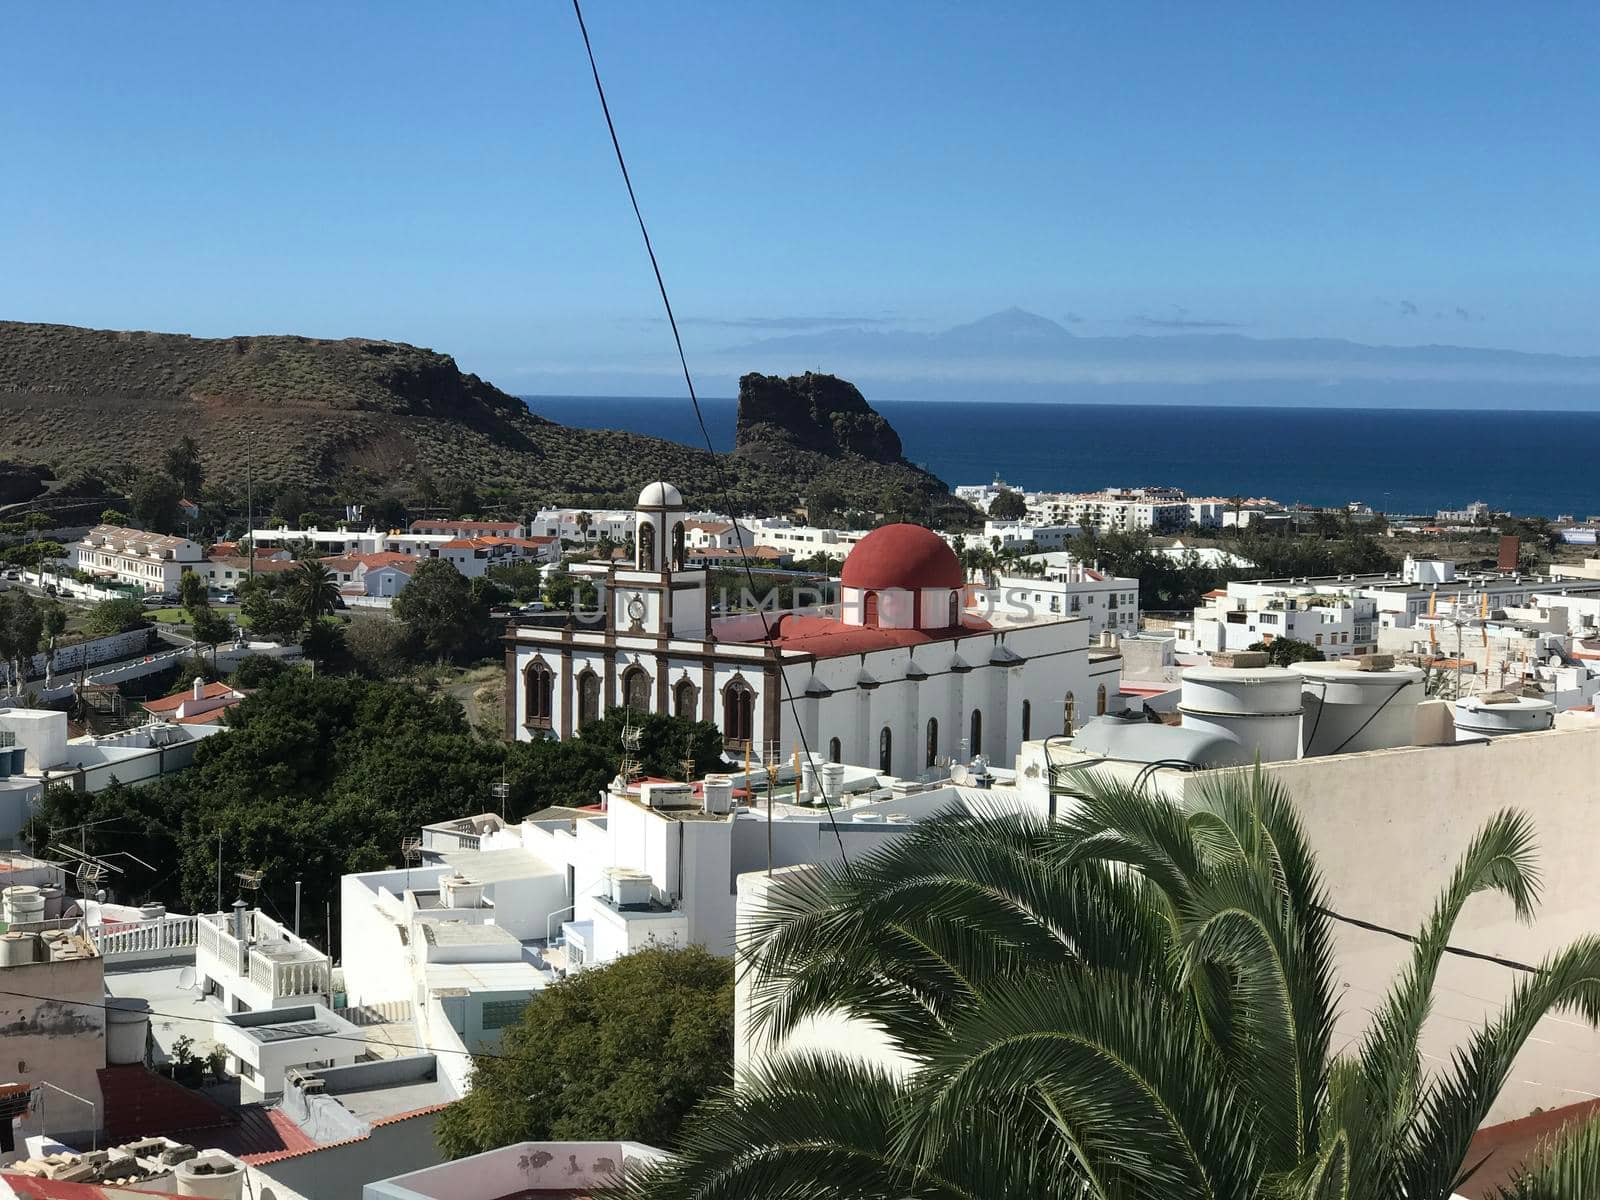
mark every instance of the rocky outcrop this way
{"type": "Point", "coordinates": [821, 414]}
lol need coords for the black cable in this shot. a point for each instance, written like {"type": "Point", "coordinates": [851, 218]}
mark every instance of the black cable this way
{"type": "Point", "coordinates": [1373, 716]}
{"type": "Point", "coordinates": [688, 379]}
{"type": "Point", "coordinates": [1512, 963]}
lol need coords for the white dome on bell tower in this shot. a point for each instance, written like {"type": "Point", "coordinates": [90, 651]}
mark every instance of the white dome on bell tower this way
{"type": "Point", "coordinates": [660, 494]}
{"type": "Point", "coordinates": [658, 528]}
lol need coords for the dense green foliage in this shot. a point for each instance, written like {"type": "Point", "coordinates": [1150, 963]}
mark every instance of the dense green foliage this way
{"type": "Point", "coordinates": [31, 554]}
{"type": "Point", "coordinates": [115, 616]}
{"type": "Point", "coordinates": [624, 1051]}
{"type": "Point", "coordinates": [445, 614]}
{"type": "Point", "coordinates": [1285, 651]}
{"type": "Point", "coordinates": [321, 775]}
{"type": "Point", "coordinates": [1008, 506]}
{"type": "Point", "coordinates": [1136, 1000]}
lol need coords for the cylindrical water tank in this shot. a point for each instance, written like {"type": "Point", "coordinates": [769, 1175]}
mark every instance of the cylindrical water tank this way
{"type": "Point", "coordinates": [1257, 707]}
{"type": "Point", "coordinates": [1349, 710]}
{"type": "Point", "coordinates": [23, 902]}
{"type": "Point", "coordinates": [16, 949]}
{"type": "Point", "coordinates": [808, 779]}
{"type": "Point", "coordinates": [127, 1028]}
{"type": "Point", "coordinates": [867, 818]}
{"type": "Point", "coordinates": [1482, 716]}
{"type": "Point", "coordinates": [210, 1174]}
{"type": "Point", "coordinates": [832, 776]}
{"type": "Point", "coordinates": [718, 797]}
{"type": "Point", "coordinates": [54, 900]}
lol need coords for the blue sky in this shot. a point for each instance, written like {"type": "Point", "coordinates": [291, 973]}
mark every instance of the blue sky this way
{"type": "Point", "coordinates": [440, 174]}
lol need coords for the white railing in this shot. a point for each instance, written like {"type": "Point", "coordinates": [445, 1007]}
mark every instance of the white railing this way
{"type": "Point", "coordinates": [169, 933]}
{"type": "Point", "coordinates": [377, 1012]}
{"type": "Point", "coordinates": [261, 973]}
{"type": "Point", "coordinates": [308, 978]}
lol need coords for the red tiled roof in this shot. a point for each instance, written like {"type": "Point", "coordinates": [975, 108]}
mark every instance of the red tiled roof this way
{"type": "Point", "coordinates": [139, 1103]}
{"type": "Point", "coordinates": [901, 556]}
{"type": "Point", "coordinates": [259, 1134]}
{"type": "Point", "coordinates": [823, 637]}
{"type": "Point", "coordinates": [341, 562]}
{"type": "Point", "coordinates": [450, 526]}
{"type": "Point", "coordinates": [387, 558]}
{"type": "Point", "coordinates": [171, 703]}
{"type": "Point", "coordinates": [272, 1156]}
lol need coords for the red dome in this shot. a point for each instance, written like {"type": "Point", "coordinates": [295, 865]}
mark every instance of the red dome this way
{"type": "Point", "coordinates": [901, 556]}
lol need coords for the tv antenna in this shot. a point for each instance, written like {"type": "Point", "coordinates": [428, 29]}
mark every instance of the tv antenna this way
{"type": "Point", "coordinates": [687, 761]}
{"type": "Point", "coordinates": [411, 853]}
{"type": "Point", "coordinates": [250, 881]}
{"type": "Point", "coordinates": [632, 739]}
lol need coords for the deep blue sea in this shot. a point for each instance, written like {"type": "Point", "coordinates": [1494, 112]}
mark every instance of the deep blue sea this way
{"type": "Point", "coordinates": [1397, 460]}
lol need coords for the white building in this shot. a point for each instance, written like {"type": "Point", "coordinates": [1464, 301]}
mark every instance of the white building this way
{"type": "Point", "coordinates": [716, 533]}
{"type": "Point", "coordinates": [582, 524]}
{"type": "Point", "coordinates": [458, 528]}
{"type": "Point", "coordinates": [339, 540]}
{"type": "Point", "coordinates": [802, 541]}
{"type": "Point", "coordinates": [1123, 509]}
{"type": "Point", "coordinates": [900, 673]}
{"type": "Point", "coordinates": [149, 561]}
{"type": "Point", "coordinates": [1071, 588]}
{"type": "Point", "coordinates": [1244, 614]}
{"type": "Point", "coordinates": [982, 495]}
{"type": "Point", "coordinates": [250, 962]}
{"type": "Point", "coordinates": [1024, 533]}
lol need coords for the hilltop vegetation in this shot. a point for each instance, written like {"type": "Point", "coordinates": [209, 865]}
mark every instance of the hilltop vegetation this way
{"type": "Point", "coordinates": [345, 420]}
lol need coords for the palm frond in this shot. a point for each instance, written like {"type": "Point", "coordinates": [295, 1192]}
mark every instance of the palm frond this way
{"type": "Point", "coordinates": [1566, 1169]}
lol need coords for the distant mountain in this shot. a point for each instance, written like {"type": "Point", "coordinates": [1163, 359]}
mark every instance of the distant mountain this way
{"type": "Point", "coordinates": [1016, 346]}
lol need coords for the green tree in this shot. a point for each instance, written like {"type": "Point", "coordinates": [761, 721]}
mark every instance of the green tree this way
{"type": "Point", "coordinates": [387, 512]}
{"type": "Point", "coordinates": [664, 741]}
{"type": "Point", "coordinates": [21, 629]}
{"type": "Point", "coordinates": [1008, 506]}
{"type": "Point", "coordinates": [36, 521]}
{"type": "Point", "coordinates": [1136, 1000]}
{"type": "Point", "coordinates": [622, 1051]}
{"type": "Point", "coordinates": [115, 616]}
{"type": "Point", "coordinates": [210, 628]}
{"type": "Point", "coordinates": [571, 592]}
{"type": "Point", "coordinates": [439, 609]}
{"type": "Point", "coordinates": [314, 589]}
{"type": "Point", "coordinates": [192, 593]}
{"type": "Point", "coordinates": [182, 465]}
{"type": "Point", "coordinates": [256, 671]}
{"type": "Point", "coordinates": [268, 606]}
{"type": "Point", "coordinates": [55, 624]}
{"type": "Point", "coordinates": [113, 516]}
{"type": "Point", "coordinates": [155, 503]}
{"type": "Point", "coordinates": [584, 521]}
{"type": "Point", "coordinates": [324, 644]}
{"type": "Point", "coordinates": [1283, 651]}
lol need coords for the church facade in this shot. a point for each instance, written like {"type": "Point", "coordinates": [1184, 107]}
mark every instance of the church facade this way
{"type": "Point", "coordinates": [900, 674]}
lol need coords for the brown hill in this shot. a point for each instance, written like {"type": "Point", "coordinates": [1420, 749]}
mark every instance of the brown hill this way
{"type": "Point", "coordinates": [348, 418]}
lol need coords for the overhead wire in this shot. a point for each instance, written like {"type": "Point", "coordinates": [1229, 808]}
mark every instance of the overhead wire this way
{"type": "Point", "coordinates": [694, 400]}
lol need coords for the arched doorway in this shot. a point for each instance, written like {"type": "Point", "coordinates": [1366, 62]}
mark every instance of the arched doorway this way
{"type": "Point", "coordinates": [636, 689]}
{"type": "Point", "coordinates": [588, 697]}
{"type": "Point", "coordinates": [975, 732]}
{"type": "Point", "coordinates": [1027, 719]}
{"type": "Point", "coordinates": [738, 712]}
{"type": "Point", "coordinates": [1100, 701]}
{"type": "Point", "coordinates": [869, 610]}
{"type": "Point", "coordinates": [932, 755]}
{"type": "Point", "coordinates": [538, 686]}
{"type": "Point", "coordinates": [835, 750]}
{"type": "Point", "coordinates": [885, 751]}
{"type": "Point", "coordinates": [647, 546]}
{"type": "Point", "coordinates": [1069, 714]}
{"type": "Point", "coordinates": [685, 697]}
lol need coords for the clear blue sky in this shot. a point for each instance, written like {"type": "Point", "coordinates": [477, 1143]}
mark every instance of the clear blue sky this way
{"type": "Point", "coordinates": [439, 173]}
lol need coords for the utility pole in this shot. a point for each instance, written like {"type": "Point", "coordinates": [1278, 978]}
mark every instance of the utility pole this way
{"type": "Point", "coordinates": [219, 870]}
{"type": "Point", "coordinates": [297, 908]}
{"type": "Point", "coordinates": [250, 513]}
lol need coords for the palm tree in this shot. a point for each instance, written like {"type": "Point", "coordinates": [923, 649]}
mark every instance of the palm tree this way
{"type": "Point", "coordinates": [315, 590]}
{"type": "Point", "coordinates": [1136, 1000]}
{"type": "Point", "coordinates": [583, 520]}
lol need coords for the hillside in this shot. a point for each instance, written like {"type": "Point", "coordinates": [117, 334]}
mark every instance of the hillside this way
{"type": "Point", "coordinates": [346, 420]}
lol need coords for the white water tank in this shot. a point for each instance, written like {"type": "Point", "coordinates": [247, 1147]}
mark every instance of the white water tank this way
{"type": "Point", "coordinates": [461, 892]}
{"type": "Point", "coordinates": [17, 949]}
{"type": "Point", "coordinates": [1257, 707]}
{"type": "Point", "coordinates": [627, 887]}
{"type": "Point", "coordinates": [127, 1029]}
{"type": "Point", "coordinates": [1348, 710]}
{"type": "Point", "coordinates": [210, 1174]}
{"type": "Point", "coordinates": [832, 777]}
{"type": "Point", "coordinates": [718, 797]}
{"type": "Point", "coordinates": [1497, 715]}
{"type": "Point", "coordinates": [54, 900]}
{"type": "Point", "coordinates": [22, 902]}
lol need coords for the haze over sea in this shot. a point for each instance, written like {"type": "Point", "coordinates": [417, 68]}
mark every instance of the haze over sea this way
{"type": "Point", "coordinates": [1397, 460]}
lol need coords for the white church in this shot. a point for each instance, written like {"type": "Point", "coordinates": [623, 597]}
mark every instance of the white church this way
{"type": "Point", "coordinates": [902, 673]}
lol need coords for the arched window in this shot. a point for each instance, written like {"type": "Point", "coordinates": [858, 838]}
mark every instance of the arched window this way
{"type": "Point", "coordinates": [636, 689]}
{"type": "Point", "coordinates": [677, 546]}
{"type": "Point", "coordinates": [647, 546]}
{"type": "Point", "coordinates": [1100, 701]}
{"type": "Point", "coordinates": [976, 732]}
{"type": "Point", "coordinates": [955, 608]}
{"type": "Point", "coordinates": [738, 712]}
{"type": "Point", "coordinates": [1027, 719]}
{"type": "Point", "coordinates": [885, 751]}
{"type": "Point", "coordinates": [684, 697]}
{"type": "Point", "coordinates": [588, 698]}
{"type": "Point", "coordinates": [835, 750]}
{"type": "Point", "coordinates": [869, 610]}
{"type": "Point", "coordinates": [538, 686]}
{"type": "Point", "coordinates": [933, 742]}
{"type": "Point", "coordinates": [1069, 714]}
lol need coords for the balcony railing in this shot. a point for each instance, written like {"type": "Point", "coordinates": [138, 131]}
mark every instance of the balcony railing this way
{"type": "Point", "coordinates": [169, 933]}
{"type": "Point", "coordinates": [275, 960]}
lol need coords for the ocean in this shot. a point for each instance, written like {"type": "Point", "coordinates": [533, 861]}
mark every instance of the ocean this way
{"type": "Point", "coordinates": [1397, 460]}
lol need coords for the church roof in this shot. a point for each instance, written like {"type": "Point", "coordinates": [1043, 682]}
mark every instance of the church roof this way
{"type": "Point", "coordinates": [660, 494]}
{"type": "Point", "coordinates": [902, 556]}
{"type": "Point", "coordinates": [824, 637]}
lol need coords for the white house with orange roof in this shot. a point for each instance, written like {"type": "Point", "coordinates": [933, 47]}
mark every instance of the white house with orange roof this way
{"type": "Point", "coordinates": [151, 561]}
{"type": "Point", "coordinates": [903, 672]}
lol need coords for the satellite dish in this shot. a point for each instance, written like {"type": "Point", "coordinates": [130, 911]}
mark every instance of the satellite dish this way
{"type": "Point", "coordinates": [959, 774]}
{"type": "Point", "coordinates": [186, 979]}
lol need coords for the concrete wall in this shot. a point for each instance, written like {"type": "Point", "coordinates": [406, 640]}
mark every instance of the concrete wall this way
{"type": "Point", "coordinates": [345, 1170]}
{"type": "Point", "coordinates": [1388, 827]}
{"type": "Point", "coordinates": [61, 1041]}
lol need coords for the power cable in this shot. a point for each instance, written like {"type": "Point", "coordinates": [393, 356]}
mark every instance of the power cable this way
{"type": "Point", "coordinates": [1370, 927]}
{"type": "Point", "coordinates": [688, 379]}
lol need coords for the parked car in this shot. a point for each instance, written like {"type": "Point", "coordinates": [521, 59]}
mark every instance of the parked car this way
{"type": "Point", "coordinates": [226, 598]}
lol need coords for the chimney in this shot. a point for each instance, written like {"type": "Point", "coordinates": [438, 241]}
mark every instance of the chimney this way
{"type": "Point", "coordinates": [198, 691]}
{"type": "Point", "coordinates": [241, 921]}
